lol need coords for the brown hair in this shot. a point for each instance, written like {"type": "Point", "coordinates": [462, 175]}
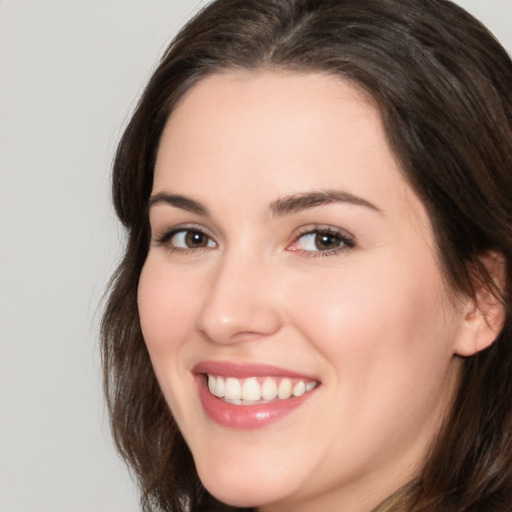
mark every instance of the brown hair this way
{"type": "Point", "coordinates": [443, 87]}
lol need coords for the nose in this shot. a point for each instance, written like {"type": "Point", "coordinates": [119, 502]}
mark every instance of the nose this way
{"type": "Point", "coordinates": [240, 303]}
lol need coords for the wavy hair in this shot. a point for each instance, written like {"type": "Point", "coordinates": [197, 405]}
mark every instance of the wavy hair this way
{"type": "Point", "coordinates": [443, 86]}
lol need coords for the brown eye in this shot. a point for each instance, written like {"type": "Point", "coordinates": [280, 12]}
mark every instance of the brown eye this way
{"type": "Point", "coordinates": [190, 239]}
{"type": "Point", "coordinates": [322, 242]}
{"type": "Point", "coordinates": [327, 241]}
{"type": "Point", "coordinates": [196, 239]}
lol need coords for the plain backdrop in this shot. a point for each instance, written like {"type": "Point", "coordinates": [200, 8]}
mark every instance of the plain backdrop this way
{"type": "Point", "coordinates": [70, 72]}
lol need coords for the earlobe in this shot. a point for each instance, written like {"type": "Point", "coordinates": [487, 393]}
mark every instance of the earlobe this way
{"type": "Point", "coordinates": [485, 312]}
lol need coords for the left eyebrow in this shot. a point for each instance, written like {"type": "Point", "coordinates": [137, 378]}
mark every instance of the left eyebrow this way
{"type": "Point", "coordinates": [179, 201]}
{"type": "Point", "coordinates": [304, 201]}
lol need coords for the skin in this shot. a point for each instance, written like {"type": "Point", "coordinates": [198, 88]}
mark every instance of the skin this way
{"type": "Point", "coordinates": [374, 322]}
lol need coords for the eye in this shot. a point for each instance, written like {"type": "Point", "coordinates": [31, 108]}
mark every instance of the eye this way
{"type": "Point", "coordinates": [186, 239]}
{"type": "Point", "coordinates": [325, 241]}
{"type": "Point", "coordinates": [190, 239]}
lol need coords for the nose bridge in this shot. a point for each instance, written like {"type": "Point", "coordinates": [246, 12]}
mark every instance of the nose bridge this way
{"type": "Point", "coordinates": [239, 303]}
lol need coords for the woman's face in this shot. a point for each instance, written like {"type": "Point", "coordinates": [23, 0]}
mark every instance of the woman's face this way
{"type": "Point", "coordinates": [289, 256]}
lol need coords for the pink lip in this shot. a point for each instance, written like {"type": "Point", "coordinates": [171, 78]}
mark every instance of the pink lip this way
{"type": "Point", "coordinates": [248, 417]}
{"type": "Point", "coordinates": [244, 371]}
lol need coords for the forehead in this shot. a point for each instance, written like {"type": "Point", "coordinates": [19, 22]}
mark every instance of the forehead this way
{"type": "Point", "coordinates": [278, 133]}
{"type": "Point", "coordinates": [289, 104]}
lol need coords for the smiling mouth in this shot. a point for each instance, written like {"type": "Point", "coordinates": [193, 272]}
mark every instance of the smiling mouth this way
{"type": "Point", "coordinates": [257, 390]}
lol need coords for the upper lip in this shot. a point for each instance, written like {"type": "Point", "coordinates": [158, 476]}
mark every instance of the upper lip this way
{"type": "Point", "coordinates": [246, 370]}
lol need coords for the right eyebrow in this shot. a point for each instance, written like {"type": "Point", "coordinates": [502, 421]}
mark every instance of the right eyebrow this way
{"type": "Point", "coordinates": [178, 201]}
{"type": "Point", "coordinates": [306, 200]}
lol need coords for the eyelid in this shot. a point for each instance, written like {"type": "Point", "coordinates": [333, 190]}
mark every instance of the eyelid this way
{"type": "Point", "coordinates": [348, 240]}
{"type": "Point", "coordinates": [162, 237]}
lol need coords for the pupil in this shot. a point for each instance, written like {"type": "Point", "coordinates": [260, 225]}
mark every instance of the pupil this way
{"type": "Point", "coordinates": [326, 241]}
{"type": "Point", "coordinates": [195, 239]}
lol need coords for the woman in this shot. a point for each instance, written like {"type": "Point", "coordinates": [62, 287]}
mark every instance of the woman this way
{"type": "Point", "coordinates": [313, 310]}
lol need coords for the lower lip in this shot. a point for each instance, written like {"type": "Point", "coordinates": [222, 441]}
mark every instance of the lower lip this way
{"type": "Point", "coordinates": [247, 417]}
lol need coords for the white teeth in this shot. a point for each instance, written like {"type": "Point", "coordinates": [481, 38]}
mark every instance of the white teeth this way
{"type": "Point", "coordinates": [310, 386]}
{"type": "Point", "coordinates": [216, 385]}
{"type": "Point", "coordinates": [284, 390]}
{"type": "Point", "coordinates": [299, 388]}
{"type": "Point", "coordinates": [251, 390]}
{"type": "Point", "coordinates": [247, 391]}
{"type": "Point", "coordinates": [211, 384]}
{"type": "Point", "coordinates": [233, 389]}
{"type": "Point", "coordinates": [220, 387]}
{"type": "Point", "coordinates": [269, 389]}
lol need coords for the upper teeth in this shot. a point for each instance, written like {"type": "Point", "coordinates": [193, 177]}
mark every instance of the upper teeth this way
{"type": "Point", "coordinates": [254, 389]}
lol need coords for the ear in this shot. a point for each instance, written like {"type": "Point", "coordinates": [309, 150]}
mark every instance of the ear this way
{"type": "Point", "coordinates": [484, 313]}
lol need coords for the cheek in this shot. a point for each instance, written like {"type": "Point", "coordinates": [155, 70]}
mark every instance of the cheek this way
{"type": "Point", "coordinates": [165, 308]}
{"type": "Point", "coordinates": [387, 342]}
{"type": "Point", "coordinates": [376, 315]}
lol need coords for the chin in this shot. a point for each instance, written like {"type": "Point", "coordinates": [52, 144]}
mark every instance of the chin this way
{"type": "Point", "coordinates": [238, 488]}
{"type": "Point", "coordinates": [237, 495]}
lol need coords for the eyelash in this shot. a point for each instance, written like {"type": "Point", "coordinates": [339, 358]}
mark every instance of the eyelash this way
{"type": "Point", "coordinates": [166, 237]}
{"type": "Point", "coordinates": [346, 240]}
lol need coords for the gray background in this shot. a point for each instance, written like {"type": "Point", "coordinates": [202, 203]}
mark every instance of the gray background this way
{"type": "Point", "coordinates": [70, 71]}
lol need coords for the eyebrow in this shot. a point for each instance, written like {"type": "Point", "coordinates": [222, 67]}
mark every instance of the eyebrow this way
{"type": "Point", "coordinates": [303, 201]}
{"type": "Point", "coordinates": [280, 207]}
{"type": "Point", "coordinates": [179, 201]}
